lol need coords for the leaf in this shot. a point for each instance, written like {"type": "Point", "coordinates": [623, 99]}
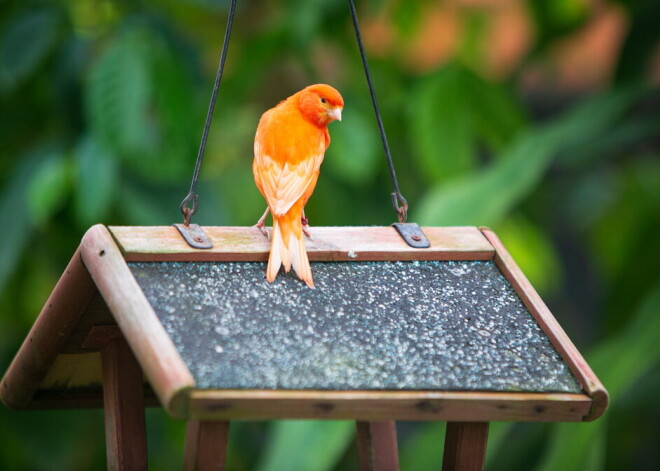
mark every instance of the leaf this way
{"type": "Point", "coordinates": [26, 42]}
{"type": "Point", "coordinates": [353, 154]}
{"type": "Point", "coordinates": [485, 198]}
{"type": "Point", "coordinates": [118, 94]}
{"type": "Point", "coordinates": [441, 127]}
{"type": "Point", "coordinates": [14, 210]}
{"type": "Point", "coordinates": [533, 251]}
{"type": "Point", "coordinates": [423, 451]}
{"type": "Point", "coordinates": [49, 186]}
{"type": "Point", "coordinates": [450, 113]}
{"type": "Point", "coordinates": [620, 363]}
{"type": "Point", "coordinates": [96, 181]}
{"type": "Point", "coordinates": [309, 445]}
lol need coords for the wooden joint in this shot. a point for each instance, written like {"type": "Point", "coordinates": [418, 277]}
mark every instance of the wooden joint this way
{"type": "Point", "coordinates": [100, 335]}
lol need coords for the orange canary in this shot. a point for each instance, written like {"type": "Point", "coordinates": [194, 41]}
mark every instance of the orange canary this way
{"type": "Point", "coordinates": [289, 146]}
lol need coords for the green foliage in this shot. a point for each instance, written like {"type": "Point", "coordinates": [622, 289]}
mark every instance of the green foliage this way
{"type": "Point", "coordinates": [25, 44]}
{"type": "Point", "coordinates": [96, 181]}
{"type": "Point", "coordinates": [102, 107]}
{"type": "Point", "coordinates": [329, 441]}
{"type": "Point", "coordinates": [452, 113]}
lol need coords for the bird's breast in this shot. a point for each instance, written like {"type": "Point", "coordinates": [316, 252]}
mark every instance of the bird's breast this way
{"type": "Point", "coordinates": [288, 137]}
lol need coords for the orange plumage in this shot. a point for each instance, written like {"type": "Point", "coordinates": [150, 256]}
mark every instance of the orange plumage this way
{"type": "Point", "coordinates": [289, 147]}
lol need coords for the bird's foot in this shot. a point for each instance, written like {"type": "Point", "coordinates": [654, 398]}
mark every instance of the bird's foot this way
{"type": "Point", "coordinates": [262, 227]}
{"type": "Point", "coordinates": [306, 232]}
{"type": "Point", "coordinates": [305, 226]}
{"type": "Point", "coordinates": [261, 223]}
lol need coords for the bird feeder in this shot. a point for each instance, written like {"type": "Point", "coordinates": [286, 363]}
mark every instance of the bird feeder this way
{"type": "Point", "coordinates": [453, 332]}
{"type": "Point", "coordinates": [405, 323]}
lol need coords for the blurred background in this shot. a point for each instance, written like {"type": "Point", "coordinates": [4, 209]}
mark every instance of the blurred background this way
{"type": "Point", "coordinates": [536, 118]}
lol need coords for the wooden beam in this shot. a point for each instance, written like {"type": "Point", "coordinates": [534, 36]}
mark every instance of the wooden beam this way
{"type": "Point", "coordinates": [562, 343]}
{"type": "Point", "coordinates": [123, 405]}
{"type": "Point", "coordinates": [162, 364]}
{"type": "Point", "coordinates": [377, 446]}
{"type": "Point", "coordinates": [47, 336]}
{"type": "Point", "coordinates": [244, 244]}
{"type": "Point", "coordinates": [206, 445]}
{"type": "Point", "coordinates": [387, 405]}
{"type": "Point", "coordinates": [465, 446]}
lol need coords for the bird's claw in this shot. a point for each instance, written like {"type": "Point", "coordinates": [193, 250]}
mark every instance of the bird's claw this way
{"type": "Point", "coordinates": [261, 226]}
{"type": "Point", "coordinates": [305, 226]}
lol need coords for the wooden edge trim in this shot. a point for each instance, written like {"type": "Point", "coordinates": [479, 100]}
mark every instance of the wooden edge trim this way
{"type": "Point", "coordinates": [248, 244]}
{"type": "Point", "coordinates": [562, 343]}
{"type": "Point", "coordinates": [48, 335]}
{"type": "Point", "coordinates": [154, 350]}
{"type": "Point", "coordinates": [388, 405]}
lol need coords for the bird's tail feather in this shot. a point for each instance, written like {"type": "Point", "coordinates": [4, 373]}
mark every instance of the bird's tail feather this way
{"type": "Point", "coordinates": [288, 254]}
{"type": "Point", "coordinates": [299, 259]}
{"type": "Point", "coordinates": [279, 253]}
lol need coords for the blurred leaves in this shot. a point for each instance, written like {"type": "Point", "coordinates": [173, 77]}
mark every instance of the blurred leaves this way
{"type": "Point", "coordinates": [451, 114]}
{"type": "Point", "coordinates": [96, 182]}
{"type": "Point", "coordinates": [49, 186]}
{"type": "Point", "coordinates": [484, 198]}
{"type": "Point", "coordinates": [621, 364]}
{"type": "Point", "coordinates": [119, 92]}
{"type": "Point", "coordinates": [24, 45]}
{"type": "Point", "coordinates": [354, 153]}
{"type": "Point", "coordinates": [132, 116]}
{"type": "Point", "coordinates": [310, 445]}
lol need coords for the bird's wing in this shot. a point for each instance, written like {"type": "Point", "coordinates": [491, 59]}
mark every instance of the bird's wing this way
{"type": "Point", "coordinates": [283, 182]}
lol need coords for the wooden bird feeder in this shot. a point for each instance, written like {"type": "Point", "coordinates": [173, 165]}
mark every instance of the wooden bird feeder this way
{"type": "Point", "coordinates": [453, 332]}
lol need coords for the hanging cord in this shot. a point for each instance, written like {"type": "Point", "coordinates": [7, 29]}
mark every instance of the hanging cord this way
{"type": "Point", "coordinates": [192, 196]}
{"type": "Point", "coordinates": [397, 197]}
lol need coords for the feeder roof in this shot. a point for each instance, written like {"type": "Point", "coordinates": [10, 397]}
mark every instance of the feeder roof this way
{"type": "Point", "coordinates": [451, 332]}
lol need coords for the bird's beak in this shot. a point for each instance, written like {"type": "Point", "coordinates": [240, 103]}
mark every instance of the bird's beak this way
{"type": "Point", "coordinates": [335, 113]}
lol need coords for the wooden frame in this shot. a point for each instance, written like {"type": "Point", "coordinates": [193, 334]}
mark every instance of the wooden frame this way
{"type": "Point", "coordinates": [102, 264]}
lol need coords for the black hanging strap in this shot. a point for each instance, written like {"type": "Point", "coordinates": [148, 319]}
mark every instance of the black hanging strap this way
{"type": "Point", "coordinates": [397, 197]}
{"type": "Point", "coordinates": [192, 197]}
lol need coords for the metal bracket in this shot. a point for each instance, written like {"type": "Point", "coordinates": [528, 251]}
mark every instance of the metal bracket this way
{"type": "Point", "coordinates": [195, 236]}
{"type": "Point", "coordinates": [412, 234]}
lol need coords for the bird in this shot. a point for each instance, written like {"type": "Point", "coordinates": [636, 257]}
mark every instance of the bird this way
{"type": "Point", "coordinates": [289, 146]}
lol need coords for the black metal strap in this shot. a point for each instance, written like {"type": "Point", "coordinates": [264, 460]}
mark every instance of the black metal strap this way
{"type": "Point", "coordinates": [192, 196]}
{"type": "Point", "coordinates": [397, 197]}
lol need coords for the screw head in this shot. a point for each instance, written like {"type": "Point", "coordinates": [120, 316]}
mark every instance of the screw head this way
{"type": "Point", "coordinates": [416, 237]}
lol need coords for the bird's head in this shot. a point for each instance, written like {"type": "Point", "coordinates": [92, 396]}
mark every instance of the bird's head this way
{"type": "Point", "coordinates": [320, 104]}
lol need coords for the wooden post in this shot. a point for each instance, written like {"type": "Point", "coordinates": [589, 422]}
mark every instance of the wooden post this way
{"type": "Point", "coordinates": [206, 445]}
{"type": "Point", "coordinates": [123, 404]}
{"type": "Point", "coordinates": [465, 446]}
{"type": "Point", "coordinates": [377, 447]}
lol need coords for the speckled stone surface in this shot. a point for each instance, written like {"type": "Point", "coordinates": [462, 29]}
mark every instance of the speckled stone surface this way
{"type": "Point", "coordinates": [367, 325]}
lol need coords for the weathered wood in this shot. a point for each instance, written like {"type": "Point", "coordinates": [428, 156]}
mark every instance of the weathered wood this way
{"type": "Point", "coordinates": [377, 446]}
{"type": "Point", "coordinates": [206, 445]}
{"type": "Point", "coordinates": [123, 405]}
{"type": "Point", "coordinates": [242, 244]}
{"type": "Point", "coordinates": [96, 313]}
{"type": "Point", "coordinates": [100, 335]}
{"type": "Point", "coordinates": [135, 317]}
{"type": "Point", "coordinates": [465, 446]}
{"type": "Point", "coordinates": [388, 405]}
{"type": "Point", "coordinates": [562, 343]}
{"type": "Point", "coordinates": [48, 334]}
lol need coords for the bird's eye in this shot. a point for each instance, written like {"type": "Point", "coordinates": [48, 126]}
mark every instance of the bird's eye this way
{"type": "Point", "coordinates": [322, 100]}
